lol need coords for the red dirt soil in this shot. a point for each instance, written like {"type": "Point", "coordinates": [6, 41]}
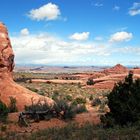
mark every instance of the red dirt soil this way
{"type": "Point", "coordinates": [92, 117]}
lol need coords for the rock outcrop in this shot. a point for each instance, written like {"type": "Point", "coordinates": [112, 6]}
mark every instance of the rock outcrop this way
{"type": "Point", "coordinates": [136, 70]}
{"type": "Point", "coordinates": [6, 55]}
{"type": "Point", "coordinates": [8, 87]}
{"type": "Point", "coordinates": [117, 69]}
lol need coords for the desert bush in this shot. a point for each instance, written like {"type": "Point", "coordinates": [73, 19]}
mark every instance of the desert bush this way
{"type": "Point", "coordinates": [96, 102]}
{"type": "Point", "coordinates": [64, 110]}
{"type": "Point", "coordinates": [32, 89]}
{"type": "Point", "coordinates": [55, 92]}
{"type": "Point", "coordinates": [69, 98]}
{"type": "Point", "coordinates": [124, 103]}
{"type": "Point", "coordinates": [73, 131]}
{"type": "Point", "coordinates": [55, 95]}
{"type": "Point", "coordinates": [39, 107]}
{"type": "Point", "coordinates": [12, 107]}
{"type": "Point", "coordinates": [3, 111]}
{"type": "Point", "coordinates": [69, 113]}
{"type": "Point", "coordinates": [106, 93]}
{"type": "Point", "coordinates": [3, 128]}
{"type": "Point", "coordinates": [102, 108]}
{"type": "Point", "coordinates": [79, 100]}
{"type": "Point", "coordinates": [41, 92]}
{"type": "Point", "coordinates": [91, 97]}
{"type": "Point", "coordinates": [80, 108]}
{"type": "Point", "coordinates": [87, 132]}
{"type": "Point", "coordinates": [61, 109]}
{"type": "Point", "coordinates": [104, 101]}
{"type": "Point", "coordinates": [90, 81]}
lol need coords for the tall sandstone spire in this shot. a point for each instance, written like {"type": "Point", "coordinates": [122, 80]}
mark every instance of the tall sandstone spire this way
{"type": "Point", "coordinates": [6, 54]}
{"type": "Point", "coordinates": [8, 87]}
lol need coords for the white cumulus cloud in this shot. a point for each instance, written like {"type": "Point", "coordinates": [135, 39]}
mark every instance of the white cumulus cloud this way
{"type": "Point", "coordinates": [98, 4]}
{"type": "Point", "coordinates": [116, 8]}
{"type": "Point", "coordinates": [47, 49]}
{"type": "Point", "coordinates": [135, 9]}
{"type": "Point", "coordinates": [24, 32]}
{"type": "Point", "coordinates": [48, 11]}
{"type": "Point", "coordinates": [80, 36]}
{"type": "Point", "coordinates": [121, 36]}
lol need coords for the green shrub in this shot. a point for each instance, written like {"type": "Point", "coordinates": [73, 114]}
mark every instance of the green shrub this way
{"type": "Point", "coordinates": [96, 102]}
{"type": "Point", "coordinates": [69, 113]}
{"type": "Point", "coordinates": [39, 107]}
{"type": "Point", "coordinates": [55, 95]}
{"type": "Point", "coordinates": [55, 92]}
{"type": "Point", "coordinates": [69, 97]}
{"type": "Point", "coordinates": [12, 107]}
{"type": "Point", "coordinates": [64, 110]}
{"type": "Point", "coordinates": [102, 108]}
{"type": "Point", "coordinates": [91, 97]}
{"type": "Point", "coordinates": [124, 103]}
{"type": "Point", "coordinates": [104, 101]}
{"type": "Point", "coordinates": [33, 89]}
{"type": "Point", "coordinates": [74, 131]}
{"type": "Point", "coordinates": [3, 128]}
{"type": "Point", "coordinates": [61, 109]}
{"type": "Point", "coordinates": [3, 111]}
{"type": "Point", "coordinates": [90, 81]}
{"type": "Point", "coordinates": [79, 100]}
{"type": "Point", "coordinates": [80, 109]}
{"type": "Point", "coordinates": [41, 92]}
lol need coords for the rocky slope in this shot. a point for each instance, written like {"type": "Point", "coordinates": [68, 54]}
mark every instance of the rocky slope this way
{"type": "Point", "coordinates": [7, 86]}
{"type": "Point", "coordinates": [117, 69]}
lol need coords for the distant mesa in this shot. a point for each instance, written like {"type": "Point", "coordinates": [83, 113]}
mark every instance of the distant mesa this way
{"type": "Point", "coordinates": [117, 69]}
{"type": "Point", "coordinates": [7, 86]}
{"type": "Point", "coordinates": [37, 69]}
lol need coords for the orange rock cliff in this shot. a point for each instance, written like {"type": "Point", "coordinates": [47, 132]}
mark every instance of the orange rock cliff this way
{"type": "Point", "coordinates": [8, 87]}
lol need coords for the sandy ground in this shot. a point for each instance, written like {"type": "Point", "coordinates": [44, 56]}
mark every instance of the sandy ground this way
{"type": "Point", "coordinates": [57, 81]}
{"type": "Point", "coordinates": [91, 116]}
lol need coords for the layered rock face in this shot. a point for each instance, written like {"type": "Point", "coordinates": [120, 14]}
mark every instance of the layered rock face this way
{"type": "Point", "coordinates": [8, 87]}
{"type": "Point", "coordinates": [6, 55]}
{"type": "Point", "coordinates": [136, 71]}
{"type": "Point", "coordinates": [118, 69]}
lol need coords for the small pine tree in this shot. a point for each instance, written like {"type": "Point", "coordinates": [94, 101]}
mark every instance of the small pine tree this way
{"type": "Point", "coordinates": [124, 103]}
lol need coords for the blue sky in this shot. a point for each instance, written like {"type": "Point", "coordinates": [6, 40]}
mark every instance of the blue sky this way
{"type": "Point", "coordinates": [73, 32]}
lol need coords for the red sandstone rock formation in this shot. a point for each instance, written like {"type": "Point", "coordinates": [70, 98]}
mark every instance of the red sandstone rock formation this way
{"type": "Point", "coordinates": [136, 70]}
{"type": "Point", "coordinates": [7, 86]}
{"type": "Point", "coordinates": [118, 69]}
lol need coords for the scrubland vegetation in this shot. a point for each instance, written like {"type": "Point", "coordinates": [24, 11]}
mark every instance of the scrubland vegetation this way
{"type": "Point", "coordinates": [119, 122]}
